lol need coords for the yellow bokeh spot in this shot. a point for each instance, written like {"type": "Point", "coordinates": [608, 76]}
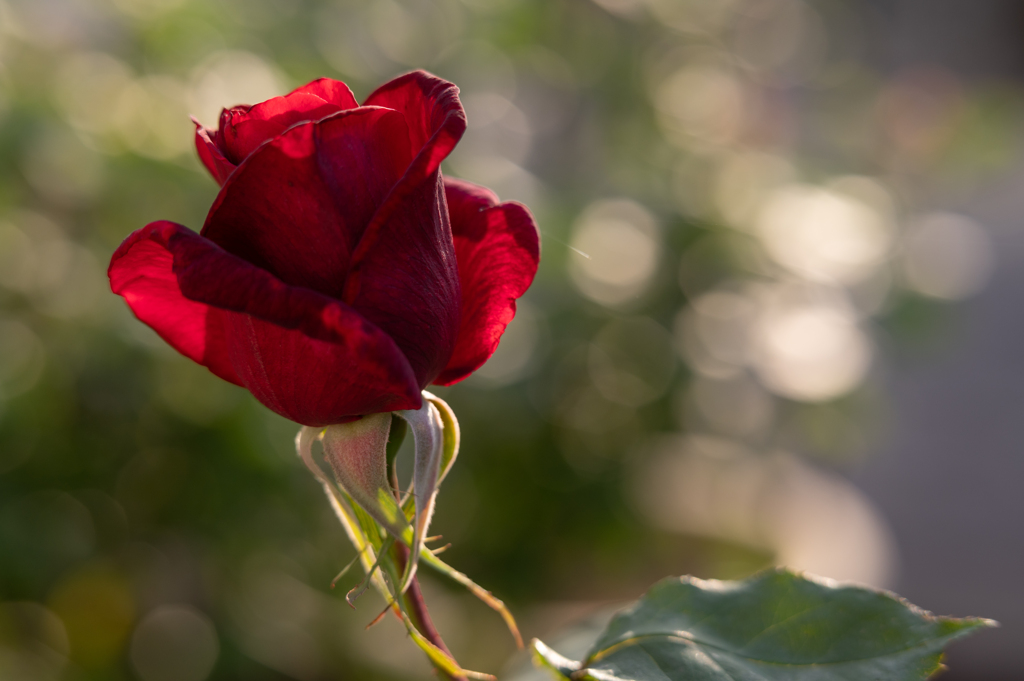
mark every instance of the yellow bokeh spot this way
{"type": "Point", "coordinates": [97, 608]}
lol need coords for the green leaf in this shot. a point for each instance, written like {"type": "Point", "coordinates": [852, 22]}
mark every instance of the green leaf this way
{"type": "Point", "coordinates": [775, 626]}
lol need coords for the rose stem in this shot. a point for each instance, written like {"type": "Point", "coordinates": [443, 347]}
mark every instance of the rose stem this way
{"type": "Point", "coordinates": [418, 612]}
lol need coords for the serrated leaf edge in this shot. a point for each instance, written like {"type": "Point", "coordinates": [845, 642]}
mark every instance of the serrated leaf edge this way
{"type": "Point", "coordinates": [723, 586]}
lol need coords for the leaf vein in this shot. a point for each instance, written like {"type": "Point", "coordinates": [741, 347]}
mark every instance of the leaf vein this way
{"type": "Point", "coordinates": [638, 640]}
{"type": "Point", "coordinates": [784, 620]}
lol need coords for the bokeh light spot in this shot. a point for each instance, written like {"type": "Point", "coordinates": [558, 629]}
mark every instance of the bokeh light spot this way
{"type": "Point", "coordinates": [61, 168]}
{"type": "Point", "coordinates": [33, 643]}
{"type": "Point", "coordinates": [97, 607]}
{"type": "Point", "coordinates": [86, 85]}
{"type": "Point", "coordinates": [736, 405]}
{"type": "Point", "coordinates": [21, 358]}
{"type": "Point", "coordinates": [810, 520]}
{"type": "Point", "coordinates": [947, 256]}
{"type": "Point", "coordinates": [810, 350]}
{"type": "Point", "coordinates": [174, 643]}
{"type": "Point", "coordinates": [823, 235]}
{"type": "Point", "coordinates": [701, 106]}
{"type": "Point", "coordinates": [620, 241]}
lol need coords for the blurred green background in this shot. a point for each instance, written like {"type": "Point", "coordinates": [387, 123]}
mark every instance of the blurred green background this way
{"type": "Point", "coordinates": [753, 212]}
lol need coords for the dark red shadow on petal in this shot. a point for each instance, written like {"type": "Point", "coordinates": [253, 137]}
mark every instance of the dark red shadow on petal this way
{"type": "Point", "coordinates": [298, 206]}
{"type": "Point", "coordinates": [436, 122]}
{"type": "Point", "coordinates": [311, 359]}
{"type": "Point", "coordinates": [404, 276]}
{"type": "Point", "coordinates": [498, 249]}
{"type": "Point", "coordinates": [410, 285]}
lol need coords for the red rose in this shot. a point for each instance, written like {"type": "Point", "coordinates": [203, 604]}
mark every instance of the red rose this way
{"type": "Point", "coordinates": [337, 273]}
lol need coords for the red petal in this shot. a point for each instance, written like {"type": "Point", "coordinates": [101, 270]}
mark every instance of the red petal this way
{"type": "Point", "coordinates": [319, 382]}
{"type": "Point", "coordinates": [210, 154]}
{"type": "Point", "coordinates": [141, 270]}
{"type": "Point", "coordinates": [246, 129]}
{"type": "Point", "coordinates": [404, 277]}
{"type": "Point", "coordinates": [331, 91]}
{"type": "Point", "coordinates": [498, 248]}
{"type": "Point", "coordinates": [298, 206]}
{"type": "Point", "coordinates": [308, 357]}
{"type": "Point", "coordinates": [433, 112]}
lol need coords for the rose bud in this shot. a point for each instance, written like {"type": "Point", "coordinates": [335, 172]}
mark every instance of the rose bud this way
{"type": "Point", "coordinates": [336, 276]}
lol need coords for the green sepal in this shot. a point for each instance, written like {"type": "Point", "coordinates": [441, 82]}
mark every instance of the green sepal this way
{"type": "Point", "coordinates": [451, 438]}
{"type": "Point", "coordinates": [395, 439]}
{"type": "Point", "coordinates": [357, 454]}
{"type": "Point", "coordinates": [427, 428]}
{"type": "Point", "coordinates": [452, 435]}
